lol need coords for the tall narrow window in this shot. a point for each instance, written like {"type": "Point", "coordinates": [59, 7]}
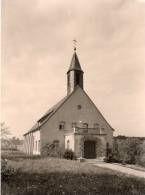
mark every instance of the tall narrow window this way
{"type": "Point", "coordinates": [77, 78]}
{"type": "Point", "coordinates": [56, 145]}
{"type": "Point", "coordinates": [96, 126]}
{"type": "Point", "coordinates": [68, 144]}
{"type": "Point", "coordinates": [33, 143]}
{"type": "Point", "coordinates": [36, 145]}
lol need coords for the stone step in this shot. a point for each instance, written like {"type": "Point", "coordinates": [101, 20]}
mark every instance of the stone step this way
{"type": "Point", "coordinates": [94, 160]}
{"type": "Point", "coordinates": [91, 160]}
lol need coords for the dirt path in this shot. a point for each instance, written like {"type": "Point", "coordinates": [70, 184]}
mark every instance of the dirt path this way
{"type": "Point", "coordinates": [122, 169]}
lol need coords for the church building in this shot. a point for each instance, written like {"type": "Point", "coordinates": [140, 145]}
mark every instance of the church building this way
{"type": "Point", "coordinates": [74, 123]}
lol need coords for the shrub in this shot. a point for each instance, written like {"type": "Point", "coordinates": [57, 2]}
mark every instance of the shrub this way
{"type": "Point", "coordinates": [141, 160]}
{"type": "Point", "coordinates": [126, 150]}
{"type": "Point", "coordinates": [69, 154]}
{"type": "Point", "coordinates": [6, 171]}
{"type": "Point", "coordinates": [111, 155]}
{"type": "Point", "coordinates": [18, 156]}
{"type": "Point", "coordinates": [52, 149]}
{"type": "Point", "coordinates": [108, 153]}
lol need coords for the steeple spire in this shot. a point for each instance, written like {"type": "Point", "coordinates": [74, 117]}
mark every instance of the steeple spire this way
{"type": "Point", "coordinates": [75, 73]}
{"type": "Point", "coordinates": [75, 64]}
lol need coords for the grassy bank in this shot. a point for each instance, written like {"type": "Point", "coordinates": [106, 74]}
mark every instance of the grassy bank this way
{"type": "Point", "coordinates": [57, 176]}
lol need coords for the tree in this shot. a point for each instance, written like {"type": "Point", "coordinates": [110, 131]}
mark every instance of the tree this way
{"type": "Point", "coordinates": [127, 150]}
{"type": "Point", "coordinates": [14, 142]}
{"type": "Point", "coordinates": [142, 156]}
{"type": "Point", "coordinates": [5, 133]}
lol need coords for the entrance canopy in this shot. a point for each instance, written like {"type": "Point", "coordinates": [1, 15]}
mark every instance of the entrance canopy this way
{"type": "Point", "coordinates": [86, 145]}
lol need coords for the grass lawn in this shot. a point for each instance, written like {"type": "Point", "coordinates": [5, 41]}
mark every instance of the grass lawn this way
{"type": "Point", "coordinates": [46, 176]}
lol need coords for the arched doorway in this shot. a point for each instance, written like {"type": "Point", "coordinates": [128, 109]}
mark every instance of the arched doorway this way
{"type": "Point", "coordinates": [90, 149]}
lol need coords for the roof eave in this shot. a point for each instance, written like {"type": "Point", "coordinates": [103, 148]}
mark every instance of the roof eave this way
{"type": "Point", "coordinates": [38, 129]}
{"type": "Point", "coordinates": [75, 70]}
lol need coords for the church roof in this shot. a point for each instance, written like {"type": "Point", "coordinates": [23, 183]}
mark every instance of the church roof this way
{"type": "Point", "coordinates": [75, 64]}
{"type": "Point", "coordinates": [34, 128]}
{"type": "Point", "coordinates": [48, 114]}
{"type": "Point", "coordinates": [52, 110]}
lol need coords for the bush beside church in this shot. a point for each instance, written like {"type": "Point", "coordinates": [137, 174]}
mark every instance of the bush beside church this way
{"type": "Point", "coordinates": [130, 150]}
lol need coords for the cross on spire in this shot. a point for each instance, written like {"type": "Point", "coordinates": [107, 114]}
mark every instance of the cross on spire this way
{"type": "Point", "coordinates": [75, 42]}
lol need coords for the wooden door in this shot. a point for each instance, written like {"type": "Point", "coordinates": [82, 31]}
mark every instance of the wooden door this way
{"type": "Point", "coordinates": [90, 149]}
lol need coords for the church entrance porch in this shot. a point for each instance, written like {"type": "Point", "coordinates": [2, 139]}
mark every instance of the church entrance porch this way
{"type": "Point", "coordinates": [86, 145]}
{"type": "Point", "coordinates": [90, 149]}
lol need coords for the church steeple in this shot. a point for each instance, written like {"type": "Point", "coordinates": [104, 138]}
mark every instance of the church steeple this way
{"type": "Point", "coordinates": [74, 74]}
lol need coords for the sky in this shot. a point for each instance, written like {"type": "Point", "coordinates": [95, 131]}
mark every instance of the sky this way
{"type": "Point", "coordinates": [37, 49]}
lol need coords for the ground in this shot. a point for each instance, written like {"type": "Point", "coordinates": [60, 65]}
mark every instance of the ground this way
{"type": "Point", "coordinates": [133, 170]}
{"type": "Point", "coordinates": [51, 176]}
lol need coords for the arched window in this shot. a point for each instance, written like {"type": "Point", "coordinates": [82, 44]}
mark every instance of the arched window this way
{"type": "Point", "coordinates": [85, 125]}
{"type": "Point", "coordinates": [68, 144]}
{"type": "Point", "coordinates": [96, 126]}
{"type": "Point", "coordinates": [102, 130]}
{"type": "Point", "coordinates": [74, 124]}
{"type": "Point", "coordinates": [56, 144]}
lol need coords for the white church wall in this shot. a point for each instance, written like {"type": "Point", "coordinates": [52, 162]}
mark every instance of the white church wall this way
{"type": "Point", "coordinates": [36, 142]}
{"type": "Point", "coordinates": [28, 143]}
